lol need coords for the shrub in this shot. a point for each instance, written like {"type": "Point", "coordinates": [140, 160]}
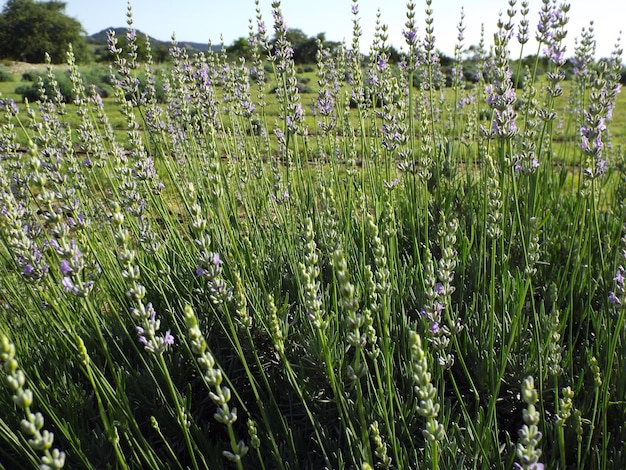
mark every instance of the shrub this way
{"type": "Point", "coordinates": [95, 79]}
{"type": "Point", "coordinates": [5, 75]}
{"type": "Point", "coordinates": [29, 76]}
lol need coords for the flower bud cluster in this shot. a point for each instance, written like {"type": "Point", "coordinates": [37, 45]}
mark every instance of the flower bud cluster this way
{"type": "Point", "coordinates": [79, 273]}
{"type": "Point", "coordinates": [380, 448]}
{"type": "Point", "coordinates": [433, 307]}
{"type": "Point", "coordinates": [354, 66]}
{"type": "Point", "coordinates": [394, 113]}
{"type": "Point", "coordinates": [257, 41]}
{"type": "Point", "coordinates": [39, 439]}
{"type": "Point", "coordinates": [566, 405]}
{"type": "Point", "coordinates": [28, 256]}
{"type": "Point", "coordinates": [128, 97]}
{"type": "Point", "coordinates": [381, 273]}
{"type": "Point", "coordinates": [90, 141]}
{"type": "Point", "coordinates": [595, 370]}
{"type": "Point", "coordinates": [526, 161]}
{"type": "Point", "coordinates": [424, 389]}
{"type": "Point", "coordinates": [555, 350]}
{"type": "Point", "coordinates": [438, 291]}
{"type": "Point", "coordinates": [584, 54]}
{"type": "Point", "coordinates": [604, 90]}
{"type": "Point", "coordinates": [77, 279]}
{"type": "Point", "coordinates": [244, 105]}
{"type": "Point", "coordinates": [494, 202]}
{"type": "Point", "coordinates": [533, 247]}
{"type": "Point", "coordinates": [373, 305]}
{"type": "Point", "coordinates": [209, 267]}
{"type": "Point", "coordinates": [288, 94]}
{"type": "Point", "coordinates": [148, 330]}
{"type": "Point", "coordinates": [523, 27]}
{"type": "Point", "coordinates": [618, 296]}
{"type": "Point", "coordinates": [447, 262]}
{"type": "Point", "coordinates": [328, 82]}
{"type": "Point", "coordinates": [255, 442]}
{"type": "Point", "coordinates": [276, 328]}
{"type": "Point", "coordinates": [346, 289]}
{"type": "Point", "coordinates": [329, 219]}
{"type": "Point", "coordinates": [143, 313]}
{"type": "Point", "coordinates": [357, 323]}
{"type": "Point", "coordinates": [410, 36]}
{"type": "Point", "coordinates": [501, 95]}
{"type": "Point", "coordinates": [212, 374]}
{"type": "Point", "coordinates": [241, 304]}
{"type": "Point", "coordinates": [527, 450]}
{"type": "Point", "coordinates": [309, 273]}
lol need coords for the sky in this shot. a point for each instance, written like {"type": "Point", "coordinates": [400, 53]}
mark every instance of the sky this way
{"type": "Point", "coordinates": [209, 20]}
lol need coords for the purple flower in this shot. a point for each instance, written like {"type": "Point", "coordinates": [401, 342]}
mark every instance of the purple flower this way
{"type": "Point", "coordinates": [391, 185]}
{"type": "Point", "coordinates": [65, 267]}
{"type": "Point", "coordinates": [534, 164]}
{"type": "Point", "coordinates": [141, 332]}
{"type": "Point", "coordinates": [410, 37]}
{"type": "Point", "coordinates": [67, 283]}
{"type": "Point", "coordinates": [215, 259]}
{"type": "Point", "coordinates": [9, 105]}
{"type": "Point", "coordinates": [169, 338]}
{"type": "Point", "coordinates": [28, 270]}
{"type": "Point", "coordinates": [614, 299]}
{"type": "Point", "coordinates": [619, 276]}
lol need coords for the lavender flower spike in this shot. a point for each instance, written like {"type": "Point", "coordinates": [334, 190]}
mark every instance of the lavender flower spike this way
{"type": "Point", "coordinates": [147, 331]}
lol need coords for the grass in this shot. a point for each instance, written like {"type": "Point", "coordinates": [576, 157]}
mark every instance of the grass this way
{"type": "Point", "coordinates": [223, 286]}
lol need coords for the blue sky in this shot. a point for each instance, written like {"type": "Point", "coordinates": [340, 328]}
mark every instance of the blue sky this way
{"type": "Point", "coordinates": [204, 20]}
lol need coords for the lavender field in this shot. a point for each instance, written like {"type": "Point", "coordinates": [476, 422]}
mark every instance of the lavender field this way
{"type": "Point", "coordinates": [399, 269]}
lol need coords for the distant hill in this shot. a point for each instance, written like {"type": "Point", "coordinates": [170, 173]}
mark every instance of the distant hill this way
{"type": "Point", "coordinates": [100, 39]}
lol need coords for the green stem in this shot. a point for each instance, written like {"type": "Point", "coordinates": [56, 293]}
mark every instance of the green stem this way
{"type": "Point", "coordinates": [181, 415]}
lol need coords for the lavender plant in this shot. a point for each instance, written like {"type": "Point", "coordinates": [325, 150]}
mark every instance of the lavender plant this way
{"type": "Point", "coordinates": [212, 275]}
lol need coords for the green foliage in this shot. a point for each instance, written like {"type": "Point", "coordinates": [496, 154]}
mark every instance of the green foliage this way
{"type": "Point", "coordinates": [239, 48]}
{"type": "Point", "coordinates": [96, 80]}
{"type": "Point", "coordinates": [29, 30]}
{"type": "Point", "coordinates": [5, 75]}
{"type": "Point", "coordinates": [304, 47]}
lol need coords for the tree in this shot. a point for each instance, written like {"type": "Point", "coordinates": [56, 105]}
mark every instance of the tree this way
{"type": "Point", "coordinates": [304, 47]}
{"type": "Point", "coordinates": [29, 29]}
{"type": "Point", "coordinates": [239, 48]}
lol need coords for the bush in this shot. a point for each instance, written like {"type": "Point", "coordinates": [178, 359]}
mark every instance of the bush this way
{"type": "Point", "coordinates": [29, 76]}
{"type": "Point", "coordinates": [5, 75]}
{"type": "Point", "coordinates": [95, 79]}
{"type": "Point", "coordinates": [302, 89]}
{"type": "Point", "coordinates": [31, 92]}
